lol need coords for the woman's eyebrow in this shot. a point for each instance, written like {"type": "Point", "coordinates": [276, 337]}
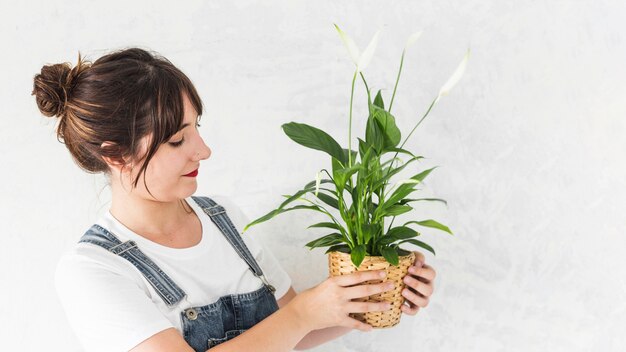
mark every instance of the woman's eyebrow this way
{"type": "Point", "coordinates": [185, 125]}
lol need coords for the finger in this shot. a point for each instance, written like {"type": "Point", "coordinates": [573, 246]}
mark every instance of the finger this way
{"type": "Point", "coordinates": [409, 310]}
{"type": "Point", "coordinates": [356, 324]}
{"type": "Point", "coordinates": [415, 299]}
{"type": "Point", "coordinates": [367, 290]}
{"type": "Point", "coordinates": [426, 271]}
{"type": "Point", "coordinates": [425, 289]}
{"type": "Point", "coordinates": [364, 307]}
{"type": "Point", "coordinates": [359, 276]}
{"type": "Point", "coordinates": [419, 257]}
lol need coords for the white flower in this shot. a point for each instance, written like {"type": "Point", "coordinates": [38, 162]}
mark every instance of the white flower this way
{"type": "Point", "coordinates": [318, 179]}
{"type": "Point", "coordinates": [454, 79]}
{"type": "Point", "coordinates": [412, 39]}
{"type": "Point", "coordinates": [361, 60]}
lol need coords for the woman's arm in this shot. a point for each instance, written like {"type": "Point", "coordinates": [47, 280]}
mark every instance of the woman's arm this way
{"type": "Point", "coordinates": [315, 337]}
{"type": "Point", "coordinates": [171, 340]}
{"type": "Point", "coordinates": [318, 311]}
{"type": "Point", "coordinates": [281, 331]}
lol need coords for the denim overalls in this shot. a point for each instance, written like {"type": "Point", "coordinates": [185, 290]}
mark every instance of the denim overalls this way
{"type": "Point", "coordinates": [209, 325]}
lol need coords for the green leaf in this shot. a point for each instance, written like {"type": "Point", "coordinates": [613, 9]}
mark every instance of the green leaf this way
{"type": "Point", "coordinates": [431, 223]}
{"type": "Point", "coordinates": [390, 254]}
{"type": "Point", "coordinates": [378, 101]}
{"type": "Point", "coordinates": [363, 146]}
{"type": "Point", "coordinates": [328, 240]}
{"type": "Point", "coordinates": [421, 244]}
{"type": "Point", "coordinates": [314, 138]}
{"type": "Point", "coordinates": [365, 151]}
{"type": "Point", "coordinates": [339, 248]}
{"type": "Point", "coordinates": [333, 202]}
{"type": "Point", "coordinates": [330, 225]}
{"type": "Point", "coordinates": [387, 122]}
{"type": "Point", "coordinates": [405, 189]}
{"type": "Point", "coordinates": [401, 192]}
{"type": "Point", "coordinates": [398, 150]}
{"type": "Point", "coordinates": [393, 172]}
{"type": "Point", "coordinates": [369, 231]}
{"type": "Point", "coordinates": [396, 234]}
{"type": "Point", "coordinates": [357, 255]}
{"type": "Point", "coordinates": [401, 233]}
{"type": "Point", "coordinates": [275, 212]}
{"type": "Point", "coordinates": [396, 210]}
{"type": "Point", "coordinates": [408, 200]}
{"type": "Point", "coordinates": [345, 156]}
{"type": "Point", "coordinates": [422, 175]}
{"type": "Point", "coordinates": [295, 196]}
{"type": "Point", "coordinates": [374, 134]}
{"type": "Point", "coordinates": [312, 183]}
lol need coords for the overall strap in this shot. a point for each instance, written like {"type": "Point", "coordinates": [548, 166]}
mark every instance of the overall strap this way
{"type": "Point", "coordinates": [163, 284]}
{"type": "Point", "coordinates": [218, 215]}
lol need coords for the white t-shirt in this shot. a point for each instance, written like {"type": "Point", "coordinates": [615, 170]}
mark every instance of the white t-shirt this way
{"type": "Point", "coordinates": [112, 307]}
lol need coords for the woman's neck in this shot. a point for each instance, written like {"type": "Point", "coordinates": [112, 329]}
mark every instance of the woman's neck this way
{"type": "Point", "coordinates": [154, 220]}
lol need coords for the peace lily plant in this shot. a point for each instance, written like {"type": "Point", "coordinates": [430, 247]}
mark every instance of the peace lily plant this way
{"type": "Point", "coordinates": [359, 181]}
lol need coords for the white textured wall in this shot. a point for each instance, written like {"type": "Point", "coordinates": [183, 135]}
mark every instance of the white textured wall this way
{"type": "Point", "coordinates": [530, 145]}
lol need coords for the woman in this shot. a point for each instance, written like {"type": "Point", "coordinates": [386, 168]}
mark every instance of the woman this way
{"type": "Point", "coordinates": [163, 270]}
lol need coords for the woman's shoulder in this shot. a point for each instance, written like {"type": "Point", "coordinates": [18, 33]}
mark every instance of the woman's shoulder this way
{"type": "Point", "coordinates": [238, 217]}
{"type": "Point", "coordinates": [84, 260]}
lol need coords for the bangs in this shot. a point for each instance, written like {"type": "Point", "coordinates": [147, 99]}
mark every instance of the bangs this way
{"type": "Point", "coordinates": [167, 111]}
{"type": "Point", "coordinates": [163, 110]}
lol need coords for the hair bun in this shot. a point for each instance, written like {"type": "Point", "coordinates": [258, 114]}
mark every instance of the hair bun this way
{"type": "Point", "coordinates": [53, 85]}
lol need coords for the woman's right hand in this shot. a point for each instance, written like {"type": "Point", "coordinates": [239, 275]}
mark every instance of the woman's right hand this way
{"type": "Point", "coordinates": [329, 303]}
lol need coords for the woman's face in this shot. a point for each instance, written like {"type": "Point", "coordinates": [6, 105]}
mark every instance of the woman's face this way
{"type": "Point", "coordinates": [181, 155]}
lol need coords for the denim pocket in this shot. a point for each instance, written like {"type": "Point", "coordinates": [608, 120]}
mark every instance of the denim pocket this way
{"type": "Point", "coordinates": [230, 334]}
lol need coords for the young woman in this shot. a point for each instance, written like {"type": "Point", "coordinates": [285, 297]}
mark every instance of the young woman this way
{"type": "Point", "coordinates": [163, 270]}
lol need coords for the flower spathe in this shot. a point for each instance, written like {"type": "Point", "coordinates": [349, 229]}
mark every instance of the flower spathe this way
{"type": "Point", "coordinates": [454, 79]}
{"type": "Point", "coordinates": [361, 60]}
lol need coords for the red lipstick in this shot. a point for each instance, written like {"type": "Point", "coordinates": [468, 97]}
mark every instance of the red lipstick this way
{"type": "Point", "coordinates": [194, 173]}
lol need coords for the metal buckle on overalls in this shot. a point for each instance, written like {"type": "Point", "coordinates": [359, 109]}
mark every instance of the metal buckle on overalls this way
{"type": "Point", "coordinates": [217, 206]}
{"type": "Point", "coordinates": [133, 245]}
{"type": "Point", "coordinates": [262, 277]}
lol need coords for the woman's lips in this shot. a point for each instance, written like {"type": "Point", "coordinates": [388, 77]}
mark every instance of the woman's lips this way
{"type": "Point", "coordinates": [194, 173]}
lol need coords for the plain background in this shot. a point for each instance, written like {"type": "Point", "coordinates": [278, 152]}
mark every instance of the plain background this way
{"type": "Point", "coordinates": [530, 146]}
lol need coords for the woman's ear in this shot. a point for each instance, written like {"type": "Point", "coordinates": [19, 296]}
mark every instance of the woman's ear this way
{"type": "Point", "coordinates": [114, 164]}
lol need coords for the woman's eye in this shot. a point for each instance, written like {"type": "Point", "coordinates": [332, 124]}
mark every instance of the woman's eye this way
{"type": "Point", "coordinates": [197, 124]}
{"type": "Point", "coordinates": [176, 144]}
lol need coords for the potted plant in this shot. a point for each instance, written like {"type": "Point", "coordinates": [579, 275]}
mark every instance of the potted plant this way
{"type": "Point", "coordinates": [359, 192]}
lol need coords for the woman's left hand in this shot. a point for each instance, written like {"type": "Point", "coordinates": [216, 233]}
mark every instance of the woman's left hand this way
{"type": "Point", "coordinates": [419, 282]}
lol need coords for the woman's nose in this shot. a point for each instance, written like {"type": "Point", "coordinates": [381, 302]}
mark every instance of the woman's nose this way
{"type": "Point", "coordinates": [204, 151]}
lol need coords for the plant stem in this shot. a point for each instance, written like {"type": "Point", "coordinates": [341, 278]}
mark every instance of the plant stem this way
{"type": "Point", "coordinates": [369, 97]}
{"type": "Point", "coordinates": [391, 223]}
{"type": "Point", "coordinates": [407, 137]}
{"type": "Point", "coordinates": [350, 125]}
{"type": "Point", "coordinates": [397, 80]}
{"type": "Point", "coordinates": [327, 213]}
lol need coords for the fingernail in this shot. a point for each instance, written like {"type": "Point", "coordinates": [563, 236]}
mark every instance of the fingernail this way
{"type": "Point", "coordinates": [419, 264]}
{"type": "Point", "coordinates": [389, 285]}
{"type": "Point", "coordinates": [383, 274]}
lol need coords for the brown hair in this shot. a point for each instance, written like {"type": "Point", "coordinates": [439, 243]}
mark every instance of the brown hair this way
{"type": "Point", "coordinates": [121, 97]}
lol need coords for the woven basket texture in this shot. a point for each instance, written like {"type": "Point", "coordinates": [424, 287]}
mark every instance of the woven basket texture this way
{"type": "Point", "coordinates": [339, 263]}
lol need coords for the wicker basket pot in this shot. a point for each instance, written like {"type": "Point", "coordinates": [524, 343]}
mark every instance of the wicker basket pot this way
{"type": "Point", "coordinates": [339, 263]}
